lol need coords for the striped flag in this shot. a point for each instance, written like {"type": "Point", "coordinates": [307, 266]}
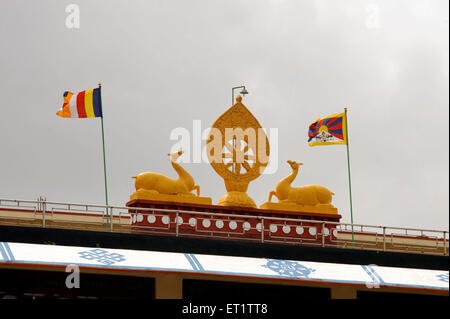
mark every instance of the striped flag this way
{"type": "Point", "coordinates": [328, 130]}
{"type": "Point", "coordinates": [82, 105]}
{"type": "Point", "coordinates": [331, 130]}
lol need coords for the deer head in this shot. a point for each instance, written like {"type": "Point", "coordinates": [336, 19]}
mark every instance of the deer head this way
{"type": "Point", "coordinates": [294, 165]}
{"type": "Point", "coordinates": [175, 156]}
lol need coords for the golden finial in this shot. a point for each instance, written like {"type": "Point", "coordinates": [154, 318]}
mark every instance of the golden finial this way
{"type": "Point", "coordinates": [99, 84]}
{"type": "Point", "coordinates": [238, 99]}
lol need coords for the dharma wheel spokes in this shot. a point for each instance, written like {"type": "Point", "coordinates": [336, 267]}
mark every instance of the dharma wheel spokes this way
{"type": "Point", "coordinates": [237, 156]}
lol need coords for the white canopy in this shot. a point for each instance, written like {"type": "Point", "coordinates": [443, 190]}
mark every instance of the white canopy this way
{"type": "Point", "coordinates": [153, 261]}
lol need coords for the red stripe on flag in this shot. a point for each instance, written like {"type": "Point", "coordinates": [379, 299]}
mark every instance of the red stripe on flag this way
{"type": "Point", "coordinates": [335, 126]}
{"type": "Point", "coordinates": [80, 105]}
{"type": "Point", "coordinates": [331, 122]}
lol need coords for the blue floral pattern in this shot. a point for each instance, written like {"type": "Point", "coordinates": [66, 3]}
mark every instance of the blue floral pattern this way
{"type": "Point", "coordinates": [443, 277]}
{"type": "Point", "coordinates": [286, 268]}
{"type": "Point", "coordinates": [102, 256]}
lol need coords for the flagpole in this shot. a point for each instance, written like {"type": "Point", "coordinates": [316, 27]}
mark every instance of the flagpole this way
{"type": "Point", "coordinates": [349, 179]}
{"type": "Point", "coordinates": [104, 159]}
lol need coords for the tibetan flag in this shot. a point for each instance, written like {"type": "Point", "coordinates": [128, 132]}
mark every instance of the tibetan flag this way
{"type": "Point", "coordinates": [82, 105]}
{"type": "Point", "coordinates": [328, 130]}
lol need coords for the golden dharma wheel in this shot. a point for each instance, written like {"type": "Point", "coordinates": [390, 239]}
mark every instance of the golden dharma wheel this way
{"type": "Point", "coordinates": [238, 150]}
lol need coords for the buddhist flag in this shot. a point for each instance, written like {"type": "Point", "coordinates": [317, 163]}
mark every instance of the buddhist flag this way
{"type": "Point", "coordinates": [82, 105]}
{"type": "Point", "coordinates": [328, 130]}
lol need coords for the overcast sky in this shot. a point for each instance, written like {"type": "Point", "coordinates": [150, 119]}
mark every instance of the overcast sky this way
{"type": "Point", "coordinates": [164, 64]}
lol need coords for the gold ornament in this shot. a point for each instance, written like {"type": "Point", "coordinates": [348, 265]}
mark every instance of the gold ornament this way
{"type": "Point", "coordinates": [238, 150]}
{"type": "Point", "coordinates": [156, 186]}
{"type": "Point", "coordinates": [308, 198]}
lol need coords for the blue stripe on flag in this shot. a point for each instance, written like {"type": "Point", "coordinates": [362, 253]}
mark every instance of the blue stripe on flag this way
{"type": "Point", "coordinates": [96, 103]}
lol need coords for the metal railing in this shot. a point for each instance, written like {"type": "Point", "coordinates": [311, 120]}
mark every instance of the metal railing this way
{"type": "Point", "coordinates": [42, 213]}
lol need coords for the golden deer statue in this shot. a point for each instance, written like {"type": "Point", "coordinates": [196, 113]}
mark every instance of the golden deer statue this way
{"type": "Point", "coordinates": [309, 195]}
{"type": "Point", "coordinates": [156, 183]}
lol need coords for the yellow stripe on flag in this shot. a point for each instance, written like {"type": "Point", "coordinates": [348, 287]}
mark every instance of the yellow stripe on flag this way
{"type": "Point", "coordinates": [88, 103]}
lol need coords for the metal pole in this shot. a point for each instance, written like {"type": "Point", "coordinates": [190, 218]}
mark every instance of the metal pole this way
{"type": "Point", "coordinates": [232, 92]}
{"type": "Point", "coordinates": [349, 179]}
{"type": "Point", "coordinates": [104, 159]}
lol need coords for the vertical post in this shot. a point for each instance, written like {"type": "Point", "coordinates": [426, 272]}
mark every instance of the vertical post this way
{"type": "Point", "coordinates": [111, 224]}
{"type": "Point", "coordinates": [323, 238]}
{"type": "Point", "coordinates": [43, 211]}
{"type": "Point", "coordinates": [176, 224]}
{"type": "Point", "coordinates": [445, 243]}
{"type": "Point", "coordinates": [349, 179]}
{"type": "Point", "coordinates": [262, 230]}
{"type": "Point", "coordinates": [104, 159]}
{"type": "Point", "coordinates": [168, 286]}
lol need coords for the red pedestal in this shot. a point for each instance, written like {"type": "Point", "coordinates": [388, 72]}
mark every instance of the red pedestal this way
{"type": "Point", "coordinates": [234, 223]}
